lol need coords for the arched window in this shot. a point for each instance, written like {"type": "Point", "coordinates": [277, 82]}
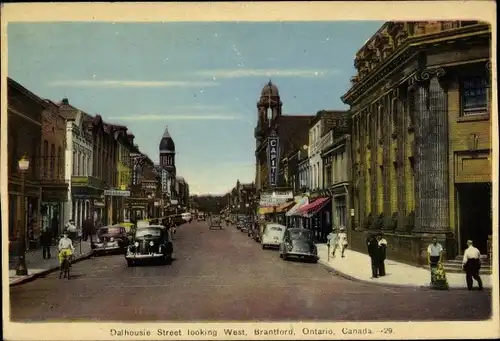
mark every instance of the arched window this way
{"type": "Point", "coordinates": [45, 158]}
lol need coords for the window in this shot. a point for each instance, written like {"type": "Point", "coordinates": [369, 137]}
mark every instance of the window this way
{"type": "Point", "coordinates": [474, 95]}
{"type": "Point", "coordinates": [45, 158]}
{"type": "Point", "coordinates": [52, 160]}
{"type": "Point", "coordinates": [60, 162]}
{"type": "Point", "coordinates": [75, 163]}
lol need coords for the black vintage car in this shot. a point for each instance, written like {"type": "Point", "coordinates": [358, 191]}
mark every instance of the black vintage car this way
{"type": "Point", "coordinates": [298, 243]}
{"type": "Point", "coordinates": [111, 239]}
{"type": "Point", "coordinates": [150, 243]}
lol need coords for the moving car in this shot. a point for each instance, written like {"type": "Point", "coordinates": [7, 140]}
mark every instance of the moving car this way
{"type": "Point", "coordinates": [272, 235]}
{"type": "Point", "coordinates": [149, 244]}
{"type": "Point", "coordinates": [298, 243]}
{"type": "Point", "coordinates": [187, 217]}
{"type": "Point", "coordinates": [111, 239]}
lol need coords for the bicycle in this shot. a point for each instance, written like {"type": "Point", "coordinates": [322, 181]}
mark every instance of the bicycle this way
{"type": "Point", "coordinates": [65, 267]}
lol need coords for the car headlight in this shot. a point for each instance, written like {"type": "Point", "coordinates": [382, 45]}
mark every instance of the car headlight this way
{"type": "Point", "coordinates": [136, 244]}
{"type": "Point", "coordinates": [289, 246]}
{"type": "Point", "coordinates": [111, 239]}
{"type": "Point", "coordinates": [98, 240]}
{"type": "Point", "coordinates": [151, 243]}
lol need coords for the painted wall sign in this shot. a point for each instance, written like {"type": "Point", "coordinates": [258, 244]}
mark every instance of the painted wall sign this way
{"type": "Point", "coordinates": [273, 159]}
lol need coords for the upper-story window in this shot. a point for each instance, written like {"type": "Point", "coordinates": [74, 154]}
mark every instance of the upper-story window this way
{"type": "Point", "coordinates": [45, 158]}
{"type": "Point", "coordinates": [52, 160]}
{"type": "Point", "coordinates": [474, 95]}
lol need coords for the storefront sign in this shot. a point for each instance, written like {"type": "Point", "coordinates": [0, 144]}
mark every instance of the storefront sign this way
{"type": "Point", "coordinates": [149, 184]}
{"type": "Point", "coordinates": [273, 159]}
{"type": "Point", "coordinates": [277, 194]}
{"type": "Point", "coordinates": [98, 203]}
{"type": "Point", "coordinates": [174, 202]}
{"type": "Point", "coordinates": [116, 193]}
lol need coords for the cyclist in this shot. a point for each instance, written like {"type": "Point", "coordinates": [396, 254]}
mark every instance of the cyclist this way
{"type": "Point", "coordinates": [65, 247]}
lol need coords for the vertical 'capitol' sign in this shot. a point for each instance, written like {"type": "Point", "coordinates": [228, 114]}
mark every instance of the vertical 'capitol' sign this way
{"type": "Point", "coordinates": [164, 181]}
{"type": "Point", "coordinates": [273, 159]}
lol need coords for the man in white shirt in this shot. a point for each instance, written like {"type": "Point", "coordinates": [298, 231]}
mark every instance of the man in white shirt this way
{"type": "Point", "coordinates": [434, 253]}
{"type": "Point", "coordinates": [65, 247]}
{"type": "Point", "coordinates": [471, 264]}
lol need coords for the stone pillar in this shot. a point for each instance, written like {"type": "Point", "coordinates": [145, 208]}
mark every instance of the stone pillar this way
{"type": "Point", "coordinates": [431, 133]}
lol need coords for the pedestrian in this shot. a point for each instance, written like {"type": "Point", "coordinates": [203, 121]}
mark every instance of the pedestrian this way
{"type": "Point", "coordinates": [342, 241]}
{"type": "Point", "coordinates": [382, 253]}
{"type": "Point", "coordinates": [472, 264]}
{"type": "Point", "coordinates": [88, 229]}
{"type": "Point", "coordinates": [332, 241]}
{"type": "Point", "coordinates": [71, 229]}
{"type": "Point", "coordinates": [434, 258]}
{"type": "Point", "coordinates": [54, 226]}
{"type": "Point", "coordinates": [372, 244]}
{"type": "Point", "coordinates": [46, 242]}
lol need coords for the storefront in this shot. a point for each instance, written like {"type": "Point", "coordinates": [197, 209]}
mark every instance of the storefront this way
{"type": "Point", "coordinates": [32, 218]}
{"type": "Point", "coordinates": [138, 207]}
{"type": "Point", "coordinates": [88, 199]}
{"type": "Point", "coordinates": [317, 217]}
{"type": "Point", "coordinates": [292, 219]}
{"type": "Point", "coordinates": [54, 199]}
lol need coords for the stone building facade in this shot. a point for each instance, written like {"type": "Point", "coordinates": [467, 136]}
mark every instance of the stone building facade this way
{"type": "Point", "coordinates": [24, 130]}
{"type": "Point", "coordinates": [421, 136]}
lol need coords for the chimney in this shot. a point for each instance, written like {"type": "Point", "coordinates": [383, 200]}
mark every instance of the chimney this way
{"type": "Point", "coordinates": [65, 101]}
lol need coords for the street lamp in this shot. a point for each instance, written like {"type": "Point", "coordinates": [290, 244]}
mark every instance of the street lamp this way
{"type": "Point", "coordinates": [21, 270]}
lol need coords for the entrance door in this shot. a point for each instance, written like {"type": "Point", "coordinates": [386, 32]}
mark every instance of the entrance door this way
{"type": "Point", "coordinates": [475, 214]}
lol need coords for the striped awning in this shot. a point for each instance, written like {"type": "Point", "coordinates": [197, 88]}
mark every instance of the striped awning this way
{"type": "Point", "coordinates": [314, 207]}
{"type": "Point", "coordinates": [266, 210]}
{"type": "Point", "coordinates": [284, 207]}
{"type": "Point", "coordinates": [299, 204]}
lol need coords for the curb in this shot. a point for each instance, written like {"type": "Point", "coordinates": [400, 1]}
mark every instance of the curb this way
{"type": "Point", "coordinates": [32, 277]}
{"type": "Point", "coordinates": [372, 282]}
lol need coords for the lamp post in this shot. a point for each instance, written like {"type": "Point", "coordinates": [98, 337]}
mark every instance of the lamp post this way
{"type": "Point", "coordinates": [21, 269]}
{"type": "Point", "coordinates": [275, 218]}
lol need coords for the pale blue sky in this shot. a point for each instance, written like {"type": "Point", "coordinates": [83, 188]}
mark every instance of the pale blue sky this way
{"type": "Point", "coordinates": [201, 79]}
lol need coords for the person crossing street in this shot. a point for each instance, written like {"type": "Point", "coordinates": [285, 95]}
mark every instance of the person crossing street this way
{"type": "Point", "coordinates": [472, 264]}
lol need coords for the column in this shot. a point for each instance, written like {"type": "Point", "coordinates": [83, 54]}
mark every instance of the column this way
{"type": "Point", "coordinates": [431, 133]}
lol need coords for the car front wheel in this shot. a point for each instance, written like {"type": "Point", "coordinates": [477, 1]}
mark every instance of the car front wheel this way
{"type": "Point", "coordinates": [130, 263]}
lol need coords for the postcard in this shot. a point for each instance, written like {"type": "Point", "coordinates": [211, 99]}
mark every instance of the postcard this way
{"type": "Point", "coordinates": [249, 171]}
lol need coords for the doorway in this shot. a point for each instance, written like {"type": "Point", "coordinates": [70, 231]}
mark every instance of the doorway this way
{"type": "Point", "coordinates": [475, 216]}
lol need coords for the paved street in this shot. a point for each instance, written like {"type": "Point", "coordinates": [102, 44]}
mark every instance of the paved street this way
{"type": "Point", "coordinates": [224, 275]}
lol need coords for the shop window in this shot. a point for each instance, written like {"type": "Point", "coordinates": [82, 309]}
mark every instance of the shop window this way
{"type": "Point", "coordinates": [474, 95]}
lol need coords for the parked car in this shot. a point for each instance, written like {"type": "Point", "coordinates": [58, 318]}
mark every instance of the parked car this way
{"type": "Point", "coordinates": [150, 243]}
{"type": "Point", "coordinates": [111, 239]}
{"type": "Point", "coordinates": [272, 236]}
{"type": "Point", "coordinates": [298, 243]}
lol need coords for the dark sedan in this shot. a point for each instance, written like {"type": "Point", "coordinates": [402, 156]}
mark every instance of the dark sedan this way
{"type": "Point", "coordinates": [150, 243]}
{"type": "Point", "coordinates": [298, 243]}
{"type": "Point", "coordinates": [111, 239]}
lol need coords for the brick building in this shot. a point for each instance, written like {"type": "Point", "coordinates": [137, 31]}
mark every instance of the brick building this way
{"type": "Point", "coordinates": [421, 140]}
{"type": "Point", "coordinates": [24, 132]}
{"type": "Point", "coordinates": [52, 168]}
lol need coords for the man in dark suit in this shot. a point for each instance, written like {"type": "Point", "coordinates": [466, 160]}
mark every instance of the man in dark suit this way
{"type": "Point", "coordinates": [46, 242]}
{"type": "Point", "coordinates": [373, 252]}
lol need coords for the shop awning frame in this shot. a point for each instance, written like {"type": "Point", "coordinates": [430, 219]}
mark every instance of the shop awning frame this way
{"type": "Point", "coordinates": [302, 202]}
{"type": "Point", "coordinates": [314, 207]}
{"type": "Point", "coordinates": [283, 207]}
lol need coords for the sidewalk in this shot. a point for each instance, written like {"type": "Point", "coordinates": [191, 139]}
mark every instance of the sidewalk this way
{"type": "Point", "coordinates": [37, 266]}
{"type": "Point", "coordinates": [356, 266]}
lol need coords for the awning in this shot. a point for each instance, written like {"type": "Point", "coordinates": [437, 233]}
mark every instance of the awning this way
{"type": "Point", "coordinates": [266, 210]}
{"type": "Point", "coordinates": [283, 207]}
{"type": "Point", "coordinates": [313, 207]}
{"type": "Point", "coordinates": [298, 205]}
